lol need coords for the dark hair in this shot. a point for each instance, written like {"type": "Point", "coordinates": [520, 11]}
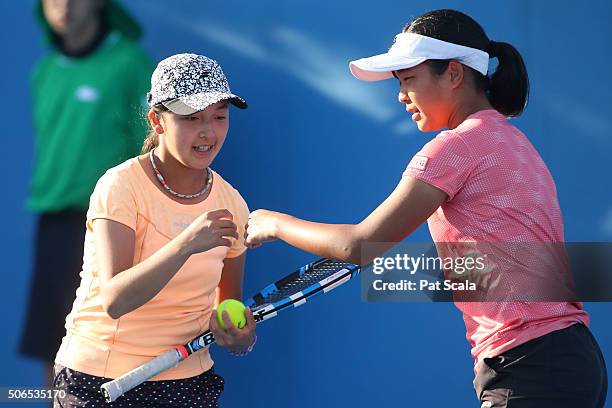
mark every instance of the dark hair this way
{"type": "Point", "coordinates": [508, 87]}
{"type": "Point", "coordinates": [152, 139]}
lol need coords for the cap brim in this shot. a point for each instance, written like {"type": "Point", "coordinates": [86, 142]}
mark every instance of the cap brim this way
{"type": "Point", "coordinates": [191, 104]}
{"type": "Point", "coordinates": [381, 66]}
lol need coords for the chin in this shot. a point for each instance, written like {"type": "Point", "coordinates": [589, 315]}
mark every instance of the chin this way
{"type": "Point", "coordinates": [202, 162]}
{"type": "Point", "coordinates": [199, 164]}
{"type": "Point", "coordinates": [428, 127]}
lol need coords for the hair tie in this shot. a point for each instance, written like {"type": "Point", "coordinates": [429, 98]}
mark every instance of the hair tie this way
{"type": "Point", "coordinates": [492, 49]}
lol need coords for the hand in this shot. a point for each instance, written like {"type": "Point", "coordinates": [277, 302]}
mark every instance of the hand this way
{"type": "Point", "coordinates": [210, 230]}
{"type": "Point", "coordinates": [262, 227]}
{"type": "Point", "coordinates": [233, 339]}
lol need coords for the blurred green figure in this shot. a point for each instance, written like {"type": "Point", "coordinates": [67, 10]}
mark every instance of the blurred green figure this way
{"type": "Point", "coordinates": [86, 92]}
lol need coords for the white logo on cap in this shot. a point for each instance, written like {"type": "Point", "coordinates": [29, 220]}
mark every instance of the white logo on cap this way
{"type": "Point", "coordinates": [86, 93]}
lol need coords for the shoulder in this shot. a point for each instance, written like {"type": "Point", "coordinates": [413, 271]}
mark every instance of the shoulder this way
{"type": "Point", "coordinates": [228, 193]}
{"type": "Point", "coordinates": [449, 141]}
{"type": "Point", "coordinates": [123, 175]}
{"type": "Point", "coordinates": [482, 124]}
{"type": "Point", "coordinates": [44, 63]}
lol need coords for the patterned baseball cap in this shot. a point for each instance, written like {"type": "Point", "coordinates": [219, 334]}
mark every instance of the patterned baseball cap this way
{"type": "Point", "coordinates": [188, 83]}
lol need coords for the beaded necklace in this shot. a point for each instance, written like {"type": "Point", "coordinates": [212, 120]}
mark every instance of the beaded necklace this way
{"type": "Point", "coordinates": [174, 193]}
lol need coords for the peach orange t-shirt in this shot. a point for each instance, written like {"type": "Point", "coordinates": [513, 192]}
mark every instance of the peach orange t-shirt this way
{"type": "Point", "coordinates": [499, 191]}
{"type": "Point", "coordinates": [98, 345]}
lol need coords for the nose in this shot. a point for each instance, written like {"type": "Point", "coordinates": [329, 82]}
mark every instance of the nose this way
{"type": "Point", "coordinates": [402, 97]}
{"type": "Point", "coordinates": [206, 130]}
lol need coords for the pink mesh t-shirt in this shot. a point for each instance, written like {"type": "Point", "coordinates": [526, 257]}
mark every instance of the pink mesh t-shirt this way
{"type": "Point", "coordinates": [499, 191]}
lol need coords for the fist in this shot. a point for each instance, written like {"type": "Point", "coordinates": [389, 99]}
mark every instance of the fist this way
{"type": "Point", "coordinates": [262, 227]}
{"type": "Point", "coordinates": [211, 229]}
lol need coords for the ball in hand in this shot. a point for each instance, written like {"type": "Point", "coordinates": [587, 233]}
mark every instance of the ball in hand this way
{"type": "Point", "coordinates": [235, 310]}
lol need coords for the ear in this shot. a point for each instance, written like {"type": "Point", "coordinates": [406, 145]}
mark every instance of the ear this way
{"type": "Point", "coordinates": [155, 121]}
{"type": "Point", "coordinates": [456, 73]}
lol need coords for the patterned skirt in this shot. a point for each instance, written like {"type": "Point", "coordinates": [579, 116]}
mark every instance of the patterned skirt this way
{"type": "Point", "coordinates": [83, 390]}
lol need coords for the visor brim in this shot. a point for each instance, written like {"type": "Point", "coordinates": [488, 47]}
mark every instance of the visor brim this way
{"type": "Point", "coordinates": [379, 67]}
{"type": "Point", "coordinates": [188, 105]}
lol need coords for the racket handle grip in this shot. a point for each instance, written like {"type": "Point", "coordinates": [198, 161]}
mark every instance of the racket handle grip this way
{"type": "Point", "coordinates": [119, 386]}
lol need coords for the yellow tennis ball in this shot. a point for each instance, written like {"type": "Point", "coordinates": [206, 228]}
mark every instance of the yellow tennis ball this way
{"type": "Point", "coordinates": [235, 310]}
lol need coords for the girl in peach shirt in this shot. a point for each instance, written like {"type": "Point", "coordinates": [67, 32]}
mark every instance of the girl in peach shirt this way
{"type": "Point", "coordinates": [162, 248]}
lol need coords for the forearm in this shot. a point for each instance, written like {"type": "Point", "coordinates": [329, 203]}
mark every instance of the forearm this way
{"type": "Point", "coordinates": [337, 241]}
{"type": "Point", "coordinates": [135, 286]}
{"type": "Point", "coordinates": [232, 276]}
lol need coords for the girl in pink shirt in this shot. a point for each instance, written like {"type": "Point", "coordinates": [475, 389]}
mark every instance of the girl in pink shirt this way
{"type": "Point", "coordinates": [480, 181]}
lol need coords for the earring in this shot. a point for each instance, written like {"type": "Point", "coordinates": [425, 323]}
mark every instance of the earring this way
{"type": "Point", "coordinates": [159, 129]}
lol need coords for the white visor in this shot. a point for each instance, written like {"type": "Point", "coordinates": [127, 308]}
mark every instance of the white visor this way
{"type": "Point", "coordinates": [409, 50]}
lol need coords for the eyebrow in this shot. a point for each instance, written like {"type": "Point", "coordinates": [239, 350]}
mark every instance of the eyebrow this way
{"type": "Point", "coordinates": [408, 71]}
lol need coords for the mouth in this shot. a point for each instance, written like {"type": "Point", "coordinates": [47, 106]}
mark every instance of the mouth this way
{"type": "Point", "coordinates": [416, 114]}
{"type": "Point", "coordinates": [203, 149]}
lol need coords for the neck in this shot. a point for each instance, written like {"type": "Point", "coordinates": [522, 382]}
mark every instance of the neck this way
{"type": "Point", "coordinates": [179, 177]}
{"type": "Point", "coordinates": [77, 42]}
{"type": "Point", "coordinates": [466, 107]}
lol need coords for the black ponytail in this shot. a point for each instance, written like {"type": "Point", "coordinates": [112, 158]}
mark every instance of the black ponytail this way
{"type": "Point", "coordinates": [508, 87]}
{"type": "Point", "coordinates": [508, 90]}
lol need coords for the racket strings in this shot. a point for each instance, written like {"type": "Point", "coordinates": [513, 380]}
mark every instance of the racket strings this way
{"type": "Point", "coordinates": [312, 276]}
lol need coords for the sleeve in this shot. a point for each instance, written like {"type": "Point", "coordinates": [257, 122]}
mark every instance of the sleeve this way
{"type": "Point", "coordinates": [445, 162]}
{"type": "Point", "coordinates": [240, 211]}
{"type": "Point", "coordinates": [113, 199]}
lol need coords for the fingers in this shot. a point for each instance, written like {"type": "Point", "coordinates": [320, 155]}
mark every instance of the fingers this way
{"type": "Point", "coordinates": [228, 232]}
{"type": "Point", "coordinates": [213, 325]}
{"type": "Point", "coordinates": [217, 331]}
{"type": "Point", "coordinates": [233, 338]}
{"type": "Point", "coordinates": [218, 214]}
{"type": "Point", "coordinates": [223, 223]}
{"type": "Point", "coordinates": [248, 240]}
{"type": "Point", "coordinates": [249, 235]}
{"type": "Point", "coordinates": [230, 328]}
{"type": "Point", "coordinates": [224, 242]}
{"type": "Point", "coordinates": [252, 240]}
{"type": "Point", "coordinates": [250, 318]}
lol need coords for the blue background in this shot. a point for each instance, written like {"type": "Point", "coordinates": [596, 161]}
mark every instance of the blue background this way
{"type": "Point", "coordinates": [319, 144]}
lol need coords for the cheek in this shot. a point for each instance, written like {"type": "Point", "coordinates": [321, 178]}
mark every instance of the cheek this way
{"type": "Point", "coordinates": [55, 20]}
{"type": "Point", "coordinates": [221, 130]}
{"type": "Point", "coordinates": [174, 137]}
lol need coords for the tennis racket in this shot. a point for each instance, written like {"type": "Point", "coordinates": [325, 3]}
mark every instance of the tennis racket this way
{"type": "Point", "coordinates": [289, 292]}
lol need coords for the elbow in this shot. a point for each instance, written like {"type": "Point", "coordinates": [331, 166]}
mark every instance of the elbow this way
{"type": "Point", "coordinates": [111, 310]}
{"type": "Point", "coordinates": [111, 307]}
{"type": "Point", "coordinates": [355, 259]}
{"type": "Point", "coordinates": [351, 251]}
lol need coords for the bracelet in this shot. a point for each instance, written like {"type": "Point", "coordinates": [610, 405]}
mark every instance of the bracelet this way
{"type": "Point", "coordinates": [247, 351]}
